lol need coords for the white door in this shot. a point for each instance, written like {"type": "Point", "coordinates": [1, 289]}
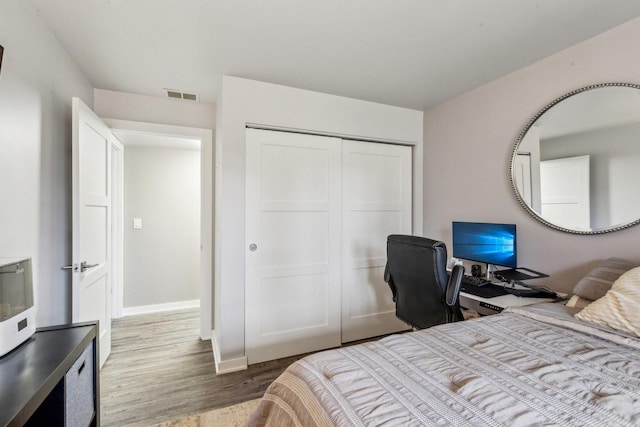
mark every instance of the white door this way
{"type": "Point", "coordinates": [91, 199]}
{"type": "Point", "coordinates": [376, 202]}
{"type": "Point", "coordinates": [292, 263]}
{"type": "Point", "coordinates": [565, 192]}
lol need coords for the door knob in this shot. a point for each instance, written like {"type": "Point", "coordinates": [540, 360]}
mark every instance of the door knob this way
{"type": "Point", "coordinates": [253, 247]}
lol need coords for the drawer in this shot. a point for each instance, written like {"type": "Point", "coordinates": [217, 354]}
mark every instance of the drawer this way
{"type": "Point", "coordinates": [79, 390]}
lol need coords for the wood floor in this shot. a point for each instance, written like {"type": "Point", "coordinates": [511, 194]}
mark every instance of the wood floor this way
{"type": "Point", "coordinates": [160, 370]}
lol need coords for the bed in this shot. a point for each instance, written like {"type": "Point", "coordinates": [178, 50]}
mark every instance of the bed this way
{"type": "Point", "coordinates": [527, 366]}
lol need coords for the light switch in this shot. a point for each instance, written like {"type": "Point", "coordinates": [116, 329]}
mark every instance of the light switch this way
{"type": "Point", "coordinates": [137, 223]}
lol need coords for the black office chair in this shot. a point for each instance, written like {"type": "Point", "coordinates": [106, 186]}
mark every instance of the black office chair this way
{"type": "Point", "coordinates": [416, 271]}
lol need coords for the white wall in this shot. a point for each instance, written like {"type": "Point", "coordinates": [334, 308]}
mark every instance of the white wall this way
{"type": "Point", "coordinates": [152, 109]}
{"type": "Point", "coordinates": [469, 141]}
{"type": "Point", "coordinates": [162, 259]}
{"type": "Point", "coordinates": [37, 82]}
{"type": "Point", "coordinates": [245, 101]}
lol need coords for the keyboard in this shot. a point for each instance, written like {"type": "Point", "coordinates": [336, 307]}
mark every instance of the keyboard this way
{"type": "Point", "coordinates": [474, 281]}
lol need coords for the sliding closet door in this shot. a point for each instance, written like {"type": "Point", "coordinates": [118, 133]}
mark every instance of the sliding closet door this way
{"type": "Point", "coordinates": [376, 202]}
{"type": "Point", "coordinates": [292, 284]}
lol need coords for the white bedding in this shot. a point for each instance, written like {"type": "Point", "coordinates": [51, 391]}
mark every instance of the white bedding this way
{"type": "Point", "coordinates": [527, 367]}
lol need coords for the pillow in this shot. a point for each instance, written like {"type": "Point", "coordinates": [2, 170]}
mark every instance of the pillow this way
{"type": "Point", "coordinates": [599, 280]}
{"type": "Point", "coordinates": [618, 309]}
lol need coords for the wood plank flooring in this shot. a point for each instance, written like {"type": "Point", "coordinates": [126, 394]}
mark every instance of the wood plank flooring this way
{"type": "Point", "coordinates": [160, 370]}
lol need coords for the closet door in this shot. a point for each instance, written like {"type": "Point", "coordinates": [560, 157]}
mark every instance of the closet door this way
{"type": "Point", "coordinates": [292, 283]}
{"type": "Point", "coordinates": [376, 202]}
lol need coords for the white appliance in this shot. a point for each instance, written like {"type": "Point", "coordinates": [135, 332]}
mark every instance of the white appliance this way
{"type": "Point", "coordinates": [17, 308]}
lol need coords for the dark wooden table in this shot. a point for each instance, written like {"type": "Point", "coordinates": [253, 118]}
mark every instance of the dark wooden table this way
{"type": "Point", "coordinates": [32, 375]}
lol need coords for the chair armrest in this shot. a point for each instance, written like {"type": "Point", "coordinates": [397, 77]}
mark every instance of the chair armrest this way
{"type": "Point", "coordinates": [453, 287]}
{"type": "Point", "coordinates": [389, 280]}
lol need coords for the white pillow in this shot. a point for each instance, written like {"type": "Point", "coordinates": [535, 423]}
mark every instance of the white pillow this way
{"type": "Point", "coordinates": [619, 309]}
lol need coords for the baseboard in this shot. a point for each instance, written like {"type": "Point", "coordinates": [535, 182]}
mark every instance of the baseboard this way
{"type": "Point", "coordinates": [205, 334]}
{"type": "Point", "coordinates": [226, 366]}
{"type": "Point", "coordinates": [156, 308]}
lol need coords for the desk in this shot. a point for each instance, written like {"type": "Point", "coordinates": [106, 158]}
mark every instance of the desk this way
{"type": "Point", "coordinates": [486, 306]}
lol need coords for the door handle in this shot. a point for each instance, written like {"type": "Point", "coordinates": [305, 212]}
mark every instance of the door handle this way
{"type": "Point", "coordinates": [83, 266]}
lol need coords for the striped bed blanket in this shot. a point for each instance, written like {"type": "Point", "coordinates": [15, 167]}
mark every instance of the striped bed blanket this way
{"type": "Point", "coordinates": [533, 366]}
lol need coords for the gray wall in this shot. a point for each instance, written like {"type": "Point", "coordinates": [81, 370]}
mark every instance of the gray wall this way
{"type": "Point", "coordinates": [469, 141]}
{"type": "Point", "coordinates": [37, 82]}
{"type": "Point", "coordinates": [161, 260]}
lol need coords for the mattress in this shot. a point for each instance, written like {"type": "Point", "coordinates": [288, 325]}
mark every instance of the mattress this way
{"type": "Point", "coordinates": [530, 366]}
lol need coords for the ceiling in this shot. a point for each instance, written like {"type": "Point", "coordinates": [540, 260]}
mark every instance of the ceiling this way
{"type": "Point", "coordinates": [409, 53]}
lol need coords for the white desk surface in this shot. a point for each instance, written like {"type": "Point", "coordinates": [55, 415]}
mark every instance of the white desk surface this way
{"type": "Point", "coordinates": [508, 300]}
{"type": "Point", "coordinates": [504, 301]}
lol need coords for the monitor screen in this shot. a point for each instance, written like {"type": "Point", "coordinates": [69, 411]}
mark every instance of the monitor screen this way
{"type": "Point", "coordinates": [485, 242]}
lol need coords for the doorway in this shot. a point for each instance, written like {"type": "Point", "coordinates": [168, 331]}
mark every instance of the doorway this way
{"type": "Point", "coordinates": [164, 159]}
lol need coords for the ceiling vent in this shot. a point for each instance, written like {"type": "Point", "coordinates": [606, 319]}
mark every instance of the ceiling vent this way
{"type": "Point", "coordinates": [176, 94]}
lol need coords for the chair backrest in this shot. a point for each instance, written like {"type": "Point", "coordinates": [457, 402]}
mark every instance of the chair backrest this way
{"type": "Point", "coordinates": [417, 274]}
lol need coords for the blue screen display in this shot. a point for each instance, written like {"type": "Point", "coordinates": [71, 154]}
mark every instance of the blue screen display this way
{"type": "Point", "coordinates": [485, 242]}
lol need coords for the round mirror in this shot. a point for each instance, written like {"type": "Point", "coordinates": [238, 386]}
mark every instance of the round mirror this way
{"type": "Point", "coordinates": [576, 165]}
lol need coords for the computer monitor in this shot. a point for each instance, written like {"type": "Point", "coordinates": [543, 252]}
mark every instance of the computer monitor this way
{"type": "Point", "coordinates": [485, 242]}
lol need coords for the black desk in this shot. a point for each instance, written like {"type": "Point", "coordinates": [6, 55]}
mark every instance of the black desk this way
{"type": "Point", "coordinates": [52, 379]}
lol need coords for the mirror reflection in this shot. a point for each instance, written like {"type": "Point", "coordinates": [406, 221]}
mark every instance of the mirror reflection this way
{"type": "Point", "coordinates": [576, 166]}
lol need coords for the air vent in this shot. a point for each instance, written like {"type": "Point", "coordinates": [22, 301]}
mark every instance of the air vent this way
{"type": "Point", "coordinates": [176, 94]}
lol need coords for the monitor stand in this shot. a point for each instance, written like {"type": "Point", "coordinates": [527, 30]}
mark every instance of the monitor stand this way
{"type": "Point", "coordinates": [488, 271]}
